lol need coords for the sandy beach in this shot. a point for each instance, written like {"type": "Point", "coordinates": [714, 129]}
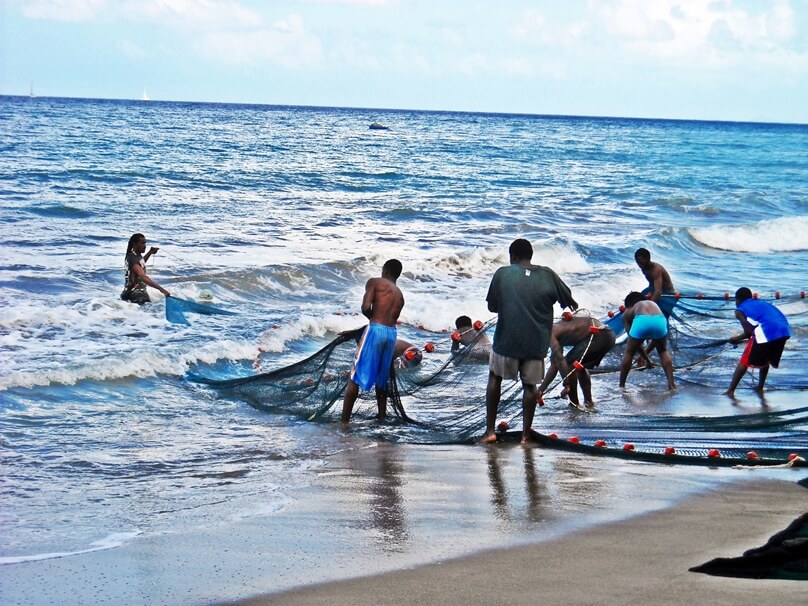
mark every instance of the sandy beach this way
{"type": "Point", "coordinates": [386, 523]}
{"type": "Point", "coordinates": [644, 560]}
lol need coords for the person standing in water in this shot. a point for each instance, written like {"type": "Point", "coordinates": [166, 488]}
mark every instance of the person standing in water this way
{"type": "Point", "coordinates": [523, 296]}
{"type": "Point", "coordinates": [643, 320]}
{"type": "Point", "coordinates": [382, 305]}
{"type": "Point", "coordinates": [135, 277]}
{"type": "Point", "coordinates": [767, 330]}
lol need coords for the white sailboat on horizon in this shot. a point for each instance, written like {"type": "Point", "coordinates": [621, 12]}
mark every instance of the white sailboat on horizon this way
{"type": "Point", "coordinates": [145, 96]}
{"type": "Point", "coordinates": [31, 90]}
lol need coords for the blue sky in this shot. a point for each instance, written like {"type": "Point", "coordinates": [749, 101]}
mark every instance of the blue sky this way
{"type": "Point", "coordinates": [691, 59]}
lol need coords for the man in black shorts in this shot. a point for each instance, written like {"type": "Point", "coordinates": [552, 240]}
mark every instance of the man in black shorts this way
{"type": "Point", "coordinates": [590, 340]}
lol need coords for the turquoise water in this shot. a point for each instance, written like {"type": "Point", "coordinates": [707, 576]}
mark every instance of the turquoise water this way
{"type": "Point", "coordinates": [282, 214]}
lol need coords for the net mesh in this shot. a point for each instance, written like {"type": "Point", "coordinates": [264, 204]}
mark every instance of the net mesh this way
{"type": "Point", "coordinates": [446, 394]}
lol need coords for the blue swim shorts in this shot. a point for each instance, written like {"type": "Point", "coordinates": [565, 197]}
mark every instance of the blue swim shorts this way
{"type": "Point", "coordinates": [374, 356]}
{"type": "Point", "coordinates": [648, 327]}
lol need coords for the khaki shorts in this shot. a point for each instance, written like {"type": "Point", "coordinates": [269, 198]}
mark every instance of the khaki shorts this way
{"type": "Point", "coordinates": [530, 371]}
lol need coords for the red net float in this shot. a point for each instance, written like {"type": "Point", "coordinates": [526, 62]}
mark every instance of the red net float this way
{"type": "Point", "coordinates": [455, 336]}
{"type": "Point", "coordinates": [752, 455]}
{"type": "Point", "coordinates": [566, 316]}
{"type": "Point", "coordinates": [503, 426]}
{"type": "Point", "coordinates": [429, 347]}
{"type": "Point", "coordinates": [726, 296]}
{"type": "Point", "coordinates": [575, 439]}
{"type": "Point", "coordinates": [670, 450]}
{"type": "Point", "coordinates": [600, 443]}
{"type": "Point", "coordinates": [628, 446]}
{"type": "Point", "coordinates": [776, 294]}
{"type": "Point", "coordinates": [595, 329]}
{"type": "Point", "coordinates": [611, 314]}
{"type": "Point", "coordinates": [622, 308]}
{"type": "Point", "coordinates": [478, 325]}
{"type": "Point", "coordinates": [578, 365]}
{"type": "Point", "coordinates": [714, 453]}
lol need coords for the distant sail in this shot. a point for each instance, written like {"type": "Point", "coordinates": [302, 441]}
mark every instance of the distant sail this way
{"type": "Point", "coordinates": [145, 95]}
{"type": "Point", "coordinates": [31, 92]}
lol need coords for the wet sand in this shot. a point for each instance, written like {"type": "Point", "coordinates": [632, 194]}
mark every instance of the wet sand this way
{"type": "Point", "coordinates": [643, 560]}
{"type": "Point", "coordinates": [447, 525]}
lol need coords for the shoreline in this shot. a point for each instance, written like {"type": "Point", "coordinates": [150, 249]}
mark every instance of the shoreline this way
{"type": "Point", "coordinates": [644, 559]}
{"type": "Point", "coordinates": [436, 523]}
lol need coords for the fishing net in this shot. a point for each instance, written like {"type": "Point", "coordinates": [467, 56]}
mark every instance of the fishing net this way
{"type": "Point", "coordinates": [442, 399]}
{"type": "Point", "coordinates": [176, 309]}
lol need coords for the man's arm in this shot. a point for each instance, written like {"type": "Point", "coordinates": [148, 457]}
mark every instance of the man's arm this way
{"type": "Point", "coordinates": [563, 293]}
{"type": "Point", "coordinates": [656, 275]}
{"type": "Point", "coordinates": [152, 251]}
{"type": "Point", "coordinates": [493, 297]}
{"type": "Point", "coordinates": [747, 328]}
{"type": "Point", "coordinates": [145, 277]}
{"type": "Point", "coordinates": [368, 299]}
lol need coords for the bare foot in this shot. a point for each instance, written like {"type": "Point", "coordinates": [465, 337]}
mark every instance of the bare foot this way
{"type": "Point", "coordinates": [526, 439]}
{"type": "Point", "coordinates": [489, 437]}
{"type": "Point", "coordinates": [564, 392]}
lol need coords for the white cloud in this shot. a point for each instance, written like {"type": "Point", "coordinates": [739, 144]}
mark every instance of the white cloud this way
{"type": "Point", "coordinates": [61, 10]}
{"type": "Point", "coordinates": [286, 43]}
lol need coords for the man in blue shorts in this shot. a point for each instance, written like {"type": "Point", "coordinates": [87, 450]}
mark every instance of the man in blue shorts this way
{"type": "Point", "coordinates": [767, 330]}
{"type": "Point", "coordinates": [522, 295]}
{"type": "Point", "coordinates": [643, 320]}
{"type": "Point", "coordinates": [382, 304]}
{"type": "Point", "coordinates": [659, 282]}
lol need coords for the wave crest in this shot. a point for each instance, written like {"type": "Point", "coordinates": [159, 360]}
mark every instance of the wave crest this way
{"type": "Point", "coordinates": [785, 234]}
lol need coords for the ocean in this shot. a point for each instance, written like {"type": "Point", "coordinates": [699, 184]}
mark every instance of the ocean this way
{"type": "Point", "coordinates": [281, 214]}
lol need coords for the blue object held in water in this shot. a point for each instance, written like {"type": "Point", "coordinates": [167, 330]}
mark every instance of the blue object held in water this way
{"type": "Point", "coordinates": [177, 308]}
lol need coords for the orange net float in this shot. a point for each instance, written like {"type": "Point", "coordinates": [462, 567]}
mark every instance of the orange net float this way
{"type": "Point", "coordinates": [754, 295]}
{"type": "Point", "coordinates": [610, 313]}
{"type": "Point", "coordinates": [595, 329]}
{"type": "Point", "coordinates": [793, 456]}
{"type": "Point", "coordinates": [566, 316]}
{"type": "Point", "coordinates": [478, 325]}
{"type": "Point", "coordinates": [699, 296]}
{"type": "Point", "coordinates": [752, 455]}
{"type": "Point", "coordinates": [429, 347]}
{"type": "Point", "coordinates": [677, 295]}
{"type": "Point", "coordinates": [714, 453]}
{"type": "Point", "coordinates": [578, 365]}
{"type": "Point", "coordinates": [574, 439]}
{"type": "Point", "coordinates": [628, 446]}
{"type": "Point", "coordinates": [600, 443]}
{"type": "Point", "coordinates": [410, 354]}
{"type": "Point", "coordinates": [622, 309]}
{"type": "Point", "coordinates": [455, 336]}
{"type": "Point", "coordinates": [670, 450]}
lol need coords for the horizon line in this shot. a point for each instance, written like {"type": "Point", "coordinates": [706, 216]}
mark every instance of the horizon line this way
{"type": "Point", "coordinates": [413, 110]}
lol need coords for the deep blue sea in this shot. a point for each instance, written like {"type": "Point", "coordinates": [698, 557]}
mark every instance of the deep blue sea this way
{"type": "Point", "coordinates": [281, 214]}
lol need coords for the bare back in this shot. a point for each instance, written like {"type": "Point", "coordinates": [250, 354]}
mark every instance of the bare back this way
{"type": "Point", "coordinates": [658, 278]}
{"type": "Point", "coordinates": [570, 332]}
{"type": "Point", "coordinates": [382, 302]}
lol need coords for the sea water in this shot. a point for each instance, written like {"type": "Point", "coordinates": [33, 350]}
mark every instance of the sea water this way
{"type": "Point", "coordinates": [281, 214]}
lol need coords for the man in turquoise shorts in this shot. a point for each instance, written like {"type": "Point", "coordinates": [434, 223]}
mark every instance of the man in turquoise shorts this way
{"type": "Point", "coordinates": [382, 304]}
{"type": "Point", "coordinates": [643, 320]}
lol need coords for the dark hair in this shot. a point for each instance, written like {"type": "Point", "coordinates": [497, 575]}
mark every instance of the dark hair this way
{"type": "Point", "coordinates": [642, 252]}
{"type": "Point", "coordinates": [462, 322]}
{"type": "Point", "coordinates": [632, 298]}
{"type": "Point", "coordinates": [742, 294]}
{"type": "Point", "coordinates": [392, 268]}
{"type": "Point", "coordinates": [521, 250]}
{"type": "Point", "coordinates": [132, 241]}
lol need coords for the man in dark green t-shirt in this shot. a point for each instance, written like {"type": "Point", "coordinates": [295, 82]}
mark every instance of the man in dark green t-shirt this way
{"type": "Point", "coordinates": [523, 296]}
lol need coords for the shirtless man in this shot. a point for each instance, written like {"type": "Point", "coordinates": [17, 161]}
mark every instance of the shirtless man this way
{"type": "Point", "coordinates": [590, 340]}
{"type": "Point", "coordinates": [406, 355]}
{"type": "Point", "coordinates": [468, 336]}
{"type": "Point", "coordinates": [659, 281]}
{"type": "Point", "coordinates": [382, 305]}
{"type": "Point", "coordinates": [643, 320]}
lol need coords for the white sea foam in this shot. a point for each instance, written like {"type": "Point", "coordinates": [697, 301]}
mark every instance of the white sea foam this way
{"type": "Point", "coordinates": [109, 542]}
{"type": "Point", "coordinates": [785, 234]}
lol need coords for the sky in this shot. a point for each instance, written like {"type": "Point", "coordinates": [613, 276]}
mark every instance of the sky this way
{"type": "Point", "coordinates": [744, 60]}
